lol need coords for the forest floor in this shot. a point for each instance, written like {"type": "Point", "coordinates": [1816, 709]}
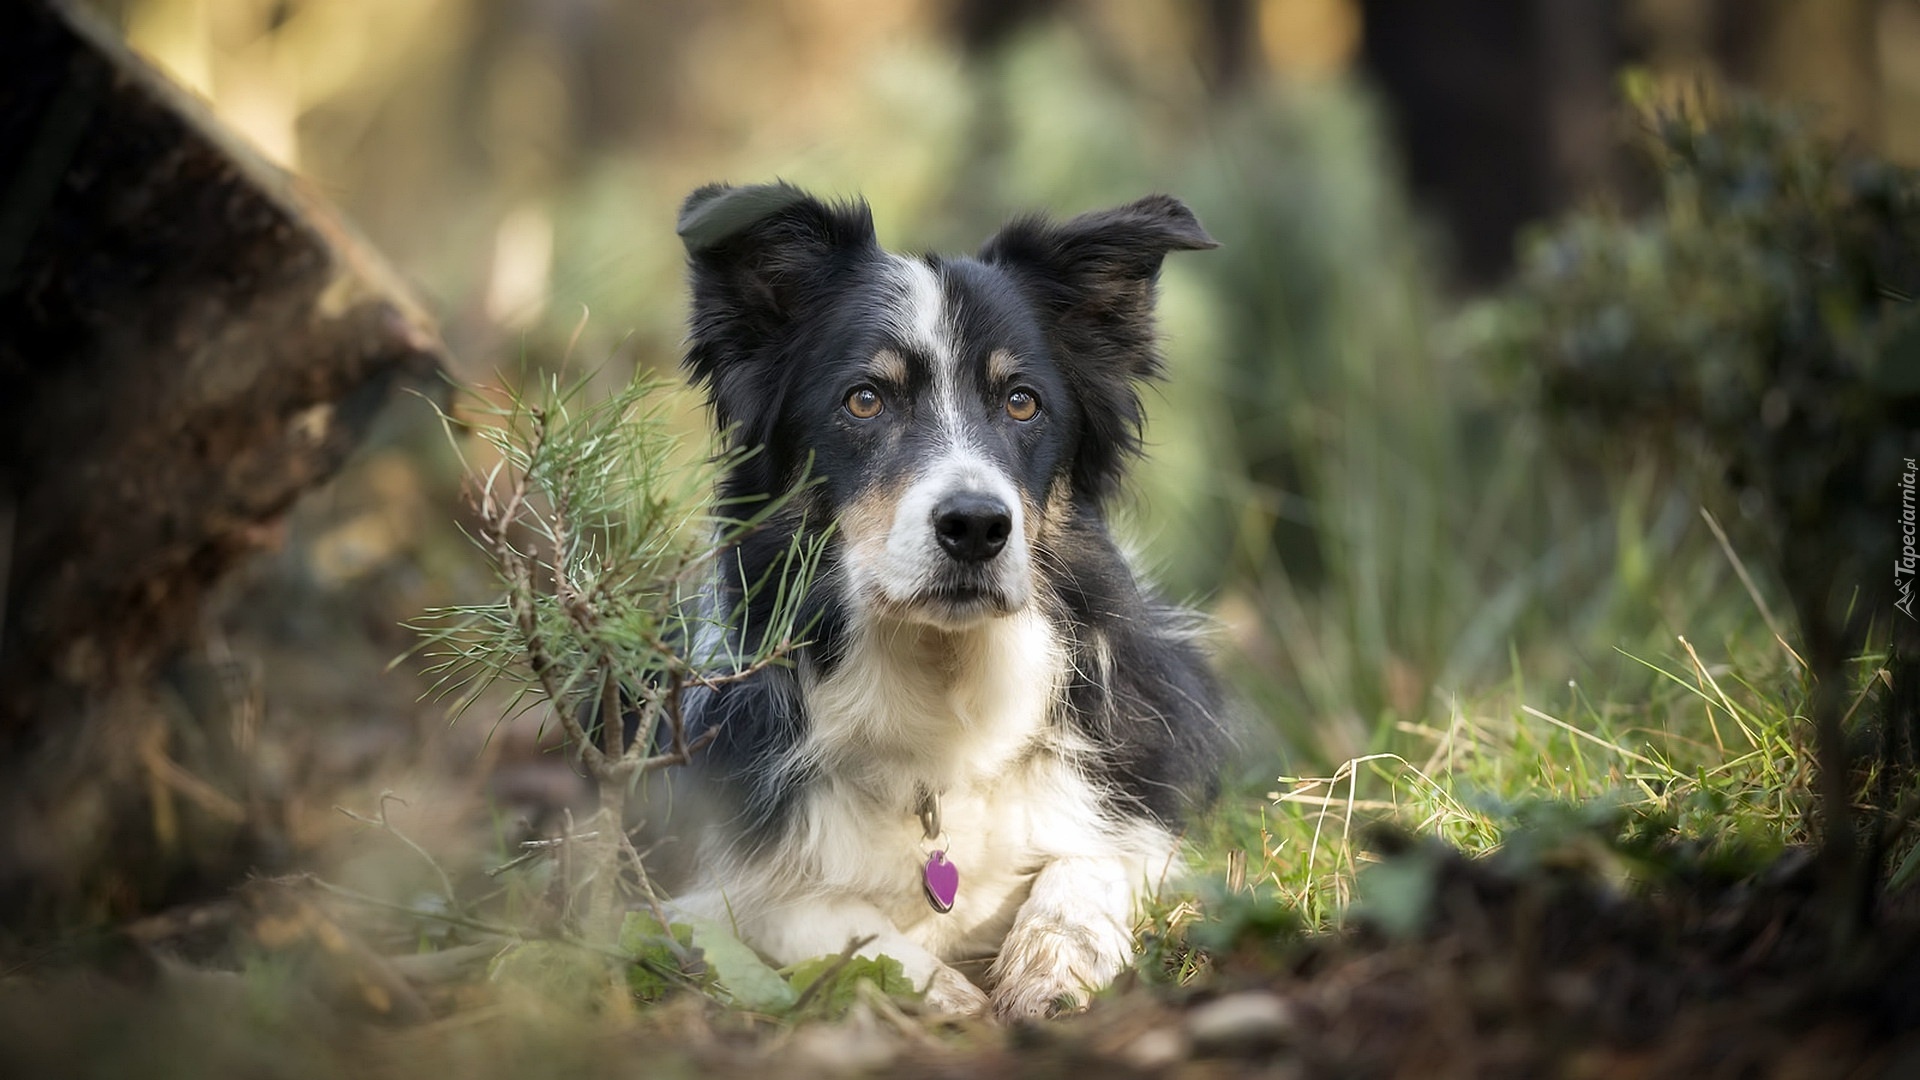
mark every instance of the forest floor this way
{"type": "Point", "coordinates": [383, 933]}
{"type": "Point", "coordinates": [1543, 972]}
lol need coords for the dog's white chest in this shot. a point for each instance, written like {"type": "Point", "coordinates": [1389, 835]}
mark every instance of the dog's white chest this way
{"type": "Point", "coordinates": [948, 711]}
{"type": "Point", "coordinates": [964, 717]}
{"type": "Point", "coordinates": [996, 835]}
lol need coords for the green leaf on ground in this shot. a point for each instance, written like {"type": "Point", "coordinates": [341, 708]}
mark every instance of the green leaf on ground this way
{"type": "Point", "coordinates": [654, 954]}
{"type": "Point", "coordinates": [839, 981]}
{"type": "Point", "coordinates": [746, 979]}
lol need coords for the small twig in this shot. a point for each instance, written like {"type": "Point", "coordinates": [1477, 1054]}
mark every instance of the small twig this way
{"type": "Point", "coordinates": [559, 841]}
{"type": "Point", "coordinates": [679, 757]}
{"type": "Point", "coordinates": [777, 655]}
{"type": "Point", "coordinates": [446, 883]}
{"type": "Point", "coordinates": [516, 495]}
{"type": "Point", "coordinates": [676, 722]}
{"type": "Point", "coordinates": [839, 964]}
{"type": "Point", "coordinates": [464, 922]}
{"type": "Point", "coordinates": [679, 665]}
{"type": "Point", "coordinates": [534, 849]}
{"type": "Point", "coordinates": [652, 899]}
{"type": "Point", "coordinates": [516, 862]}
{"type": "Point", "coordinates": [679, 750]}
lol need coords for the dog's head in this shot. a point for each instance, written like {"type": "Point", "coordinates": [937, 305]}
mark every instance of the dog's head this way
{"type": "Point", "coordinates": [948, 405]}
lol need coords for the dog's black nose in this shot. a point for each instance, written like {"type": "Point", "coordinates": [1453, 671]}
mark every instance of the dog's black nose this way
{"type": "Point", "coordinates": [972, 527]}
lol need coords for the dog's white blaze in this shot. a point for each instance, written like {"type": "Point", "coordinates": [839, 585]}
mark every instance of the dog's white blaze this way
{"type": "Point", "coordinates": [918, 316]}
{"type": "Point", "coordinates": [922, 319]}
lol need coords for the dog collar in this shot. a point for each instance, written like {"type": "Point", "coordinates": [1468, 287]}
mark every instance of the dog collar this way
{"type": "Point", "coordinates": [939, 878]}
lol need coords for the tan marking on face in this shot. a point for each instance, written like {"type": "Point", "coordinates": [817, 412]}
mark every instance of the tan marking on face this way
{"type": "Point", "coordinates": [867, 521]}
{"type": "Point", "coordinates": [865, 527]}
{"type": "Point", "coordinates": [889, 366]}
{"type": "Point", "coordinates": [1033, 515]}
{"type": "Point", "coordinates": [1000, 366]}
{"type": "Point", "coordinates": [1047, 521]}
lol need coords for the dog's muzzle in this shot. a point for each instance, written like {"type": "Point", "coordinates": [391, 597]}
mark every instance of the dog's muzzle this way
{"type": "Point", "coordinates": [954, 551]}
{"type": "Point", "coordinates": [972, 527]}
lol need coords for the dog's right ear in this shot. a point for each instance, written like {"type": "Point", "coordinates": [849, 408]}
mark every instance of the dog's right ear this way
{"type": "Point", "coordinates": [757, 255]}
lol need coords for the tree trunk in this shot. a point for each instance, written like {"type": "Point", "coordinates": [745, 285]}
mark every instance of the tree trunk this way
{"type": "Point", "coordinates": [188, 341]}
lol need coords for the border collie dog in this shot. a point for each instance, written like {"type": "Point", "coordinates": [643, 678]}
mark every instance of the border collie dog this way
{"type": "Point", "coordinates": [985, 749]}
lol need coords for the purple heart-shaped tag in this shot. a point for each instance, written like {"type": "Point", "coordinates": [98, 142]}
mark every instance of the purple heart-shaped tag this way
{"type": "Point", "coordinates": [942, 880]}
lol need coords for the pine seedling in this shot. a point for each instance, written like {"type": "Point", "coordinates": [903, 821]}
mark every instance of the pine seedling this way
{"type": "Point", "coordinates": [604, 536]}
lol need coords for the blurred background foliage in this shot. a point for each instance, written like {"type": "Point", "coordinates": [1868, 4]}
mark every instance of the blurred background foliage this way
{"type": "Point", "coordinates": [1393, 544]}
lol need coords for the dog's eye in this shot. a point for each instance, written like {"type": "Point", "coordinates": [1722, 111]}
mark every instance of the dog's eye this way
{"type": "Point", "coordinates": [864, 403]}
{"type": "Point", "coordinates": [1023, 405]}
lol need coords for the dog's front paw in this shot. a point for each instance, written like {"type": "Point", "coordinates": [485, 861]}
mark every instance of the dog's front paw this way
{"type": "Point", "coordinates": [951, 992]}
{"type": "Point", "coordinates": [1049, 968]}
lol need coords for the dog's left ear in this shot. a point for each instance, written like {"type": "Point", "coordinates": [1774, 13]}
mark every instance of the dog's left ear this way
{"type": "Point", "coordinates": [1091, 279]}
{"type": "Point", "coordinates": [757, 255]}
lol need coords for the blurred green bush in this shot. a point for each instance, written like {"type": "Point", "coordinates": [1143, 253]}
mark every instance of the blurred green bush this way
{"type": "Point", "coordinates": [1760, 327]}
